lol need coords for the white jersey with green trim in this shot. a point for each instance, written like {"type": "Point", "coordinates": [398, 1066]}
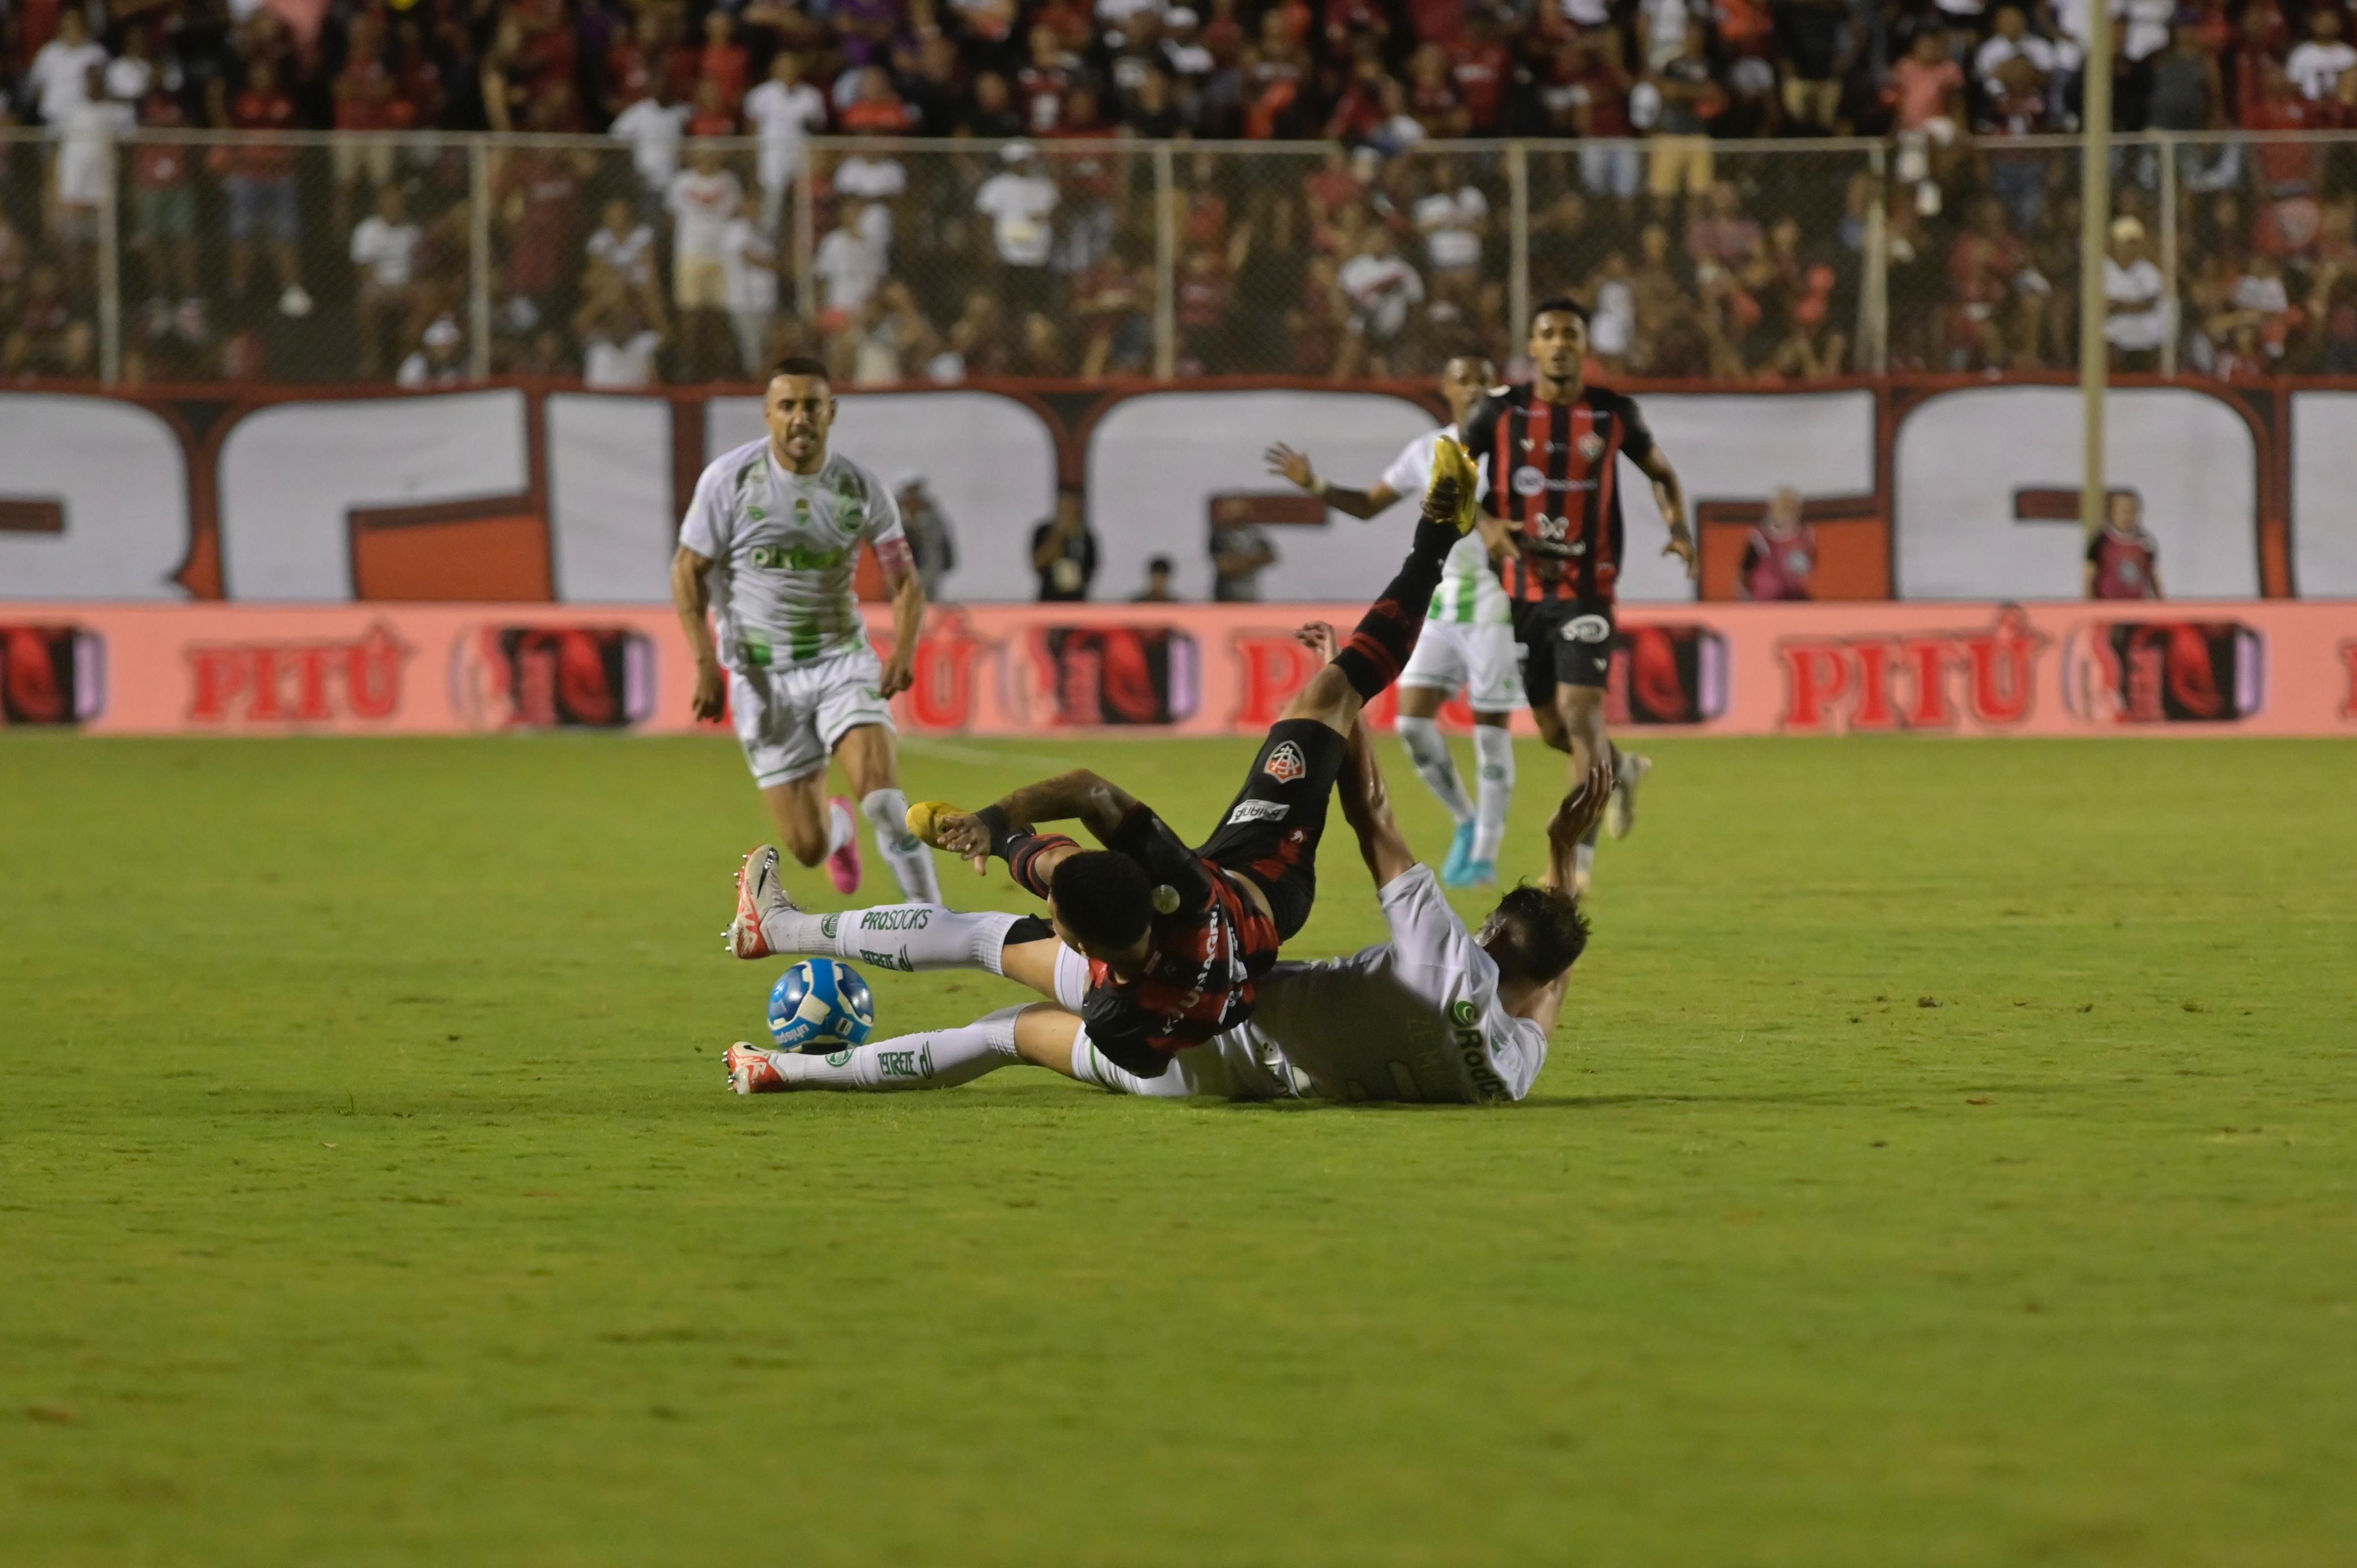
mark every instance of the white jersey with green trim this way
{"type": "Point", "coordinates": [784, 548]}
{"type": "Point", "coordinates": [1469, 590]}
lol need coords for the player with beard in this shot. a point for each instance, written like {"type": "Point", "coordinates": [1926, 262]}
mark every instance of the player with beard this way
{"type": "Point", "coordinates": [1166, 942]}
{"type": "Point", "coordinates": [769, 551]}
{"type": "Point", "coordinates": [1468, 641]}
{"type": "Point", "coordinates": [1553, 445]}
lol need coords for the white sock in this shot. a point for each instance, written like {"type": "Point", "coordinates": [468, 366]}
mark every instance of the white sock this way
{"type": "Point", "coordinates": [938, 1058]}
{"type": "Point", "coordinates": [839, 827]}
{"type": "Point", "coordinates": [904, 852]}
{"type": "Point", "coordinates": [906, 937]}
{"type": "Point", "coordinates": [1428, 749]}
{"type": "Point", "coordinates": [1493, 745]}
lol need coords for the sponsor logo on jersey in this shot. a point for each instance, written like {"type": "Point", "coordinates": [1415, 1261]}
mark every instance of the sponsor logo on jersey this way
{"type": "Point", "coordinates": [1528, 481]}
{"type": "Point", "coordinates": [894, 920]}
{"type": "Point", "coordinates": [794, 558]}
{"type": "Point", "coordinates": [1474, 1052]}
{"type": "Point", "coordinates": [1285, 763]}
{"type": "Point", "coordinates": [1258, 812]}
{"type": "Point", "coordinates": [1586, 629]}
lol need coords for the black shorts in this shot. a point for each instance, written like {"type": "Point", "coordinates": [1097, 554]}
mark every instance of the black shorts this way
{"type": "Point", "coordinates": [1569, 643]}
{"type": "Point", "coordinates": [1269, 833]}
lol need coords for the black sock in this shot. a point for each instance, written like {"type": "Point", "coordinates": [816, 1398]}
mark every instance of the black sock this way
{"type": "Point", "coordinates": [1379, 644]}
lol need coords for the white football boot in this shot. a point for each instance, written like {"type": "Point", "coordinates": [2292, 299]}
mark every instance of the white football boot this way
{"type": "Point", "coordinates": [759, 891]}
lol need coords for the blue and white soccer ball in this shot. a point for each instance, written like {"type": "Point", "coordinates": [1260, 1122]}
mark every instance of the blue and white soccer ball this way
{"type": "Point", "coordinates": [820, 1006]}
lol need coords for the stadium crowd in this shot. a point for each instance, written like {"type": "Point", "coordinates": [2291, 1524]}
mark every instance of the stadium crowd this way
{"type": "Point", "coordinates": [1335, 210]}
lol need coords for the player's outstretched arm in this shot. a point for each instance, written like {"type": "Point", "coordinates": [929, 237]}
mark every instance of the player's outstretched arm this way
{"type": "Point", "coordinates": [900, 565]}
{"type": "Point", "coordinates": [1296, 467]}
{"type": "Point", "coordinates": [691, 592]}
{"type": "Point", "coordinates": [1579, 812]}
{"type": "Point", "coordinates": [1081, 795]}
{"type": "Point", "coordinates": [1365, 795]}
{"type": "Point", "coordinates": [1671, 496]}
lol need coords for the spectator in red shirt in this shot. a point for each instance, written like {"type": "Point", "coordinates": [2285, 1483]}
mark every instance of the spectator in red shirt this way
{"type": "Point", "coordinates": [1478, 64]}
{"type": "Point", "coordinates": [263, 202]}
{"type": "Point", "coordinates": [876, 110]}
{"type": "Point", "coordinates": [712, 116]}
{"type": "Point", "coordinates": [1044, 80]}
{"type": "Point", "coordinates": [365, 101]}
{"type": "Point", "coordinates": [1431, 97]}
{"type": "Point", "coordinates": [2286, 167]}
{"type": "Point", "coordinates": [723, 62]}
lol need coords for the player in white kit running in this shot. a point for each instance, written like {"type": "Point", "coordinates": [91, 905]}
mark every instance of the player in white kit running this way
{"type": "Point", "coordinates": [769, 551]}
{"type": "Point", "coordinates": [1468, 641]}
{"type": "Point", "coordinates": [1438, 1013]}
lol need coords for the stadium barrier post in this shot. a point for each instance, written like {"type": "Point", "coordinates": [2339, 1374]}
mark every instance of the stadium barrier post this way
{"type": "Point", "coordinates": [2169, 260]}
{"type": "Point", "coordinates": [2095, 230]}
{"type": "Point", "coordinates": [479, 257]}
{"type": "Point", "coordinates": [110, 267]}
{"type": "Point", "coordinates": [1874, 298]}
{"type": "Point", "coordinates": [1518, 286]}
{"type": "Point", "coordinates": [806, 235]}
{"type": "Point", "coordinates": [1166, 268]}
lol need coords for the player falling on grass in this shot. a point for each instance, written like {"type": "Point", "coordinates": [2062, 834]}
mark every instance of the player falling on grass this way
{"type": "Point", "coordinates": [1468, 641]}
{"type": "Point", "coordinates": [769, 547]}
{"type": "Point", "coordinates": [1554, 445]}
{"type": "Point", "coordinates": [1435, 1014]}
{"type": "Point", "coordinates": [1176, 938]}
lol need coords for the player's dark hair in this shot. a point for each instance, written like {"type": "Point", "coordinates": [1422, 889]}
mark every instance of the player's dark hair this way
{"type": "Point", "coordinates": [1103, 898]}
{"type": "Point", "coordinates": [798, 365]}
{"type": "Point", "coordinates": [1562, 301]}
{"type": "Point", "coordinates": [1545, 932]}
{"type": "Point", "coordinates": [1160, 563]}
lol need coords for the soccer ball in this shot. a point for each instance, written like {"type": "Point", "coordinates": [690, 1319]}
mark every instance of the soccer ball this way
{"type": "Point", "coordinates": [820, 1006]}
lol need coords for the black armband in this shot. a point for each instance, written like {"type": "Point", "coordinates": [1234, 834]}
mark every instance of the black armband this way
{"type": "Point", "coordinates": [1003, 840]}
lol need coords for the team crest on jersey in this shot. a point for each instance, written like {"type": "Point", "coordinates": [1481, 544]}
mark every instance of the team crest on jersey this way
{"type": "Point", "coordinates": [1591, 447]}
{"type": "Point", "coordinates": [801, 509]}
{"type": "Point", "coordinates": [1285, 763]}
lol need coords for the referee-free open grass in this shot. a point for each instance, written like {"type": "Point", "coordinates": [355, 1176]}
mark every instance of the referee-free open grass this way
{"type": "Point", "coordinates": [1947, 1157]}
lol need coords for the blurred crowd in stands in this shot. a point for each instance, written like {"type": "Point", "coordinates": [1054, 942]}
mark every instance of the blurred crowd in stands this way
{"type": "Point", "coordinates": [1338, 195]}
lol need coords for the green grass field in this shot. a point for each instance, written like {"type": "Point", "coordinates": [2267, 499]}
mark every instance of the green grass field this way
{"type": "Point", "coordinates": [1948, 1157]}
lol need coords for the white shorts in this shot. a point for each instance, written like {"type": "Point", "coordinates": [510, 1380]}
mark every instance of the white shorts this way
{"type": "Point", "coordinates": [1242, 1064]}
{"type": "Point", "coordinates": [1481, 657]}
{"type": "Point", "coordinates": [789, 718]}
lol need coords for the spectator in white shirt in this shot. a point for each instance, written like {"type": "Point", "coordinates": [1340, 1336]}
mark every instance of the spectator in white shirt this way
{"type": "Point", "coordinates": [879, 181]}
{"type": "Point", "coordinates": [654, 129]}
{"type": "Point", "coordinates": [624, 246]}
{"type": "Point", "coordinates": [850, 263]}
{"type": "Point", "coordinates": [784, 112]}
{"type": "Point", "coordinates": [1019, 200]}
{"type": "Point", "coordinates": [435, 361]}
{"type": "Point", "coordinates": [1381, 289]}
{"type": "Point", "coordinates": [752, 264]}
{"type": "Point", "coordinates": [384, 253]}
{"type": "Point", "coordinates": [2011, 40]}
{"type": "Point", "coordinates": [619, 341]}
{"type": "Point", "coordinates": [85, 171]}
{"type": "Point", "coordinates": [2316, 65]}
{"type": "Point", "coordinates": [2135, 306]}
{"type": "Point", "coordinates": [702, 198]}
{"type": "Point", "coordinates": [59, 74]}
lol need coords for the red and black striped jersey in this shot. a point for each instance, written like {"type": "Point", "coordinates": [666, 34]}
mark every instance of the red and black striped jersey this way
{"type": "Point", "coordinates": [1202, 959]}
{"type": "Point", "coordinates": [1553, 473]}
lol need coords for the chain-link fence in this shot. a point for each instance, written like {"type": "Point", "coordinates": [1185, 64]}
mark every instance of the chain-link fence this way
{"type": "Point", "coordinates": [197, 257]}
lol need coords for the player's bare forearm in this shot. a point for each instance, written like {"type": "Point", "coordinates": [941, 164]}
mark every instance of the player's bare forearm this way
{"type": "Point", "coordinates": [1670, 495]}
{"type": "Point", "coordinates": [691, 592]}
{"type": "Point", "coordinates": [1367, 807]}
{"type": "Point", "coordinates": [1096, 803]}
{"type": "Point", "coordinates": [1573, 817]}
{"type": "Point", "coordinates": [1361, 504]}
{"type": "Point", "coordinates": [908, 615]}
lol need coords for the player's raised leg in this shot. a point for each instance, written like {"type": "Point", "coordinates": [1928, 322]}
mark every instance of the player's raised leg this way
{"type": "Point", "coordinates": [912, 938]}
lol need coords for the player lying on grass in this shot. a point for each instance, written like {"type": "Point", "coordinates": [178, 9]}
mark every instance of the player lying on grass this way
{"type": "Point", "coordinates": [1435, 1014]}
{"type": "Point", "coordinates": [1176, 937]}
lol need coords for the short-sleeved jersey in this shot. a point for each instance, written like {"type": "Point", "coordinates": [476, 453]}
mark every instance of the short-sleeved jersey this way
{"type": "Point", "coordinates": [1416, 1017]}
{"type": "Point", "coordinates": [1469, 590]}
{"type": "Point", "coordinates": [1203, 958]}
{"type": "Point", "coordinates": [1554, 474]}
{"type": "Point", "coordinates": [784, 548]}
